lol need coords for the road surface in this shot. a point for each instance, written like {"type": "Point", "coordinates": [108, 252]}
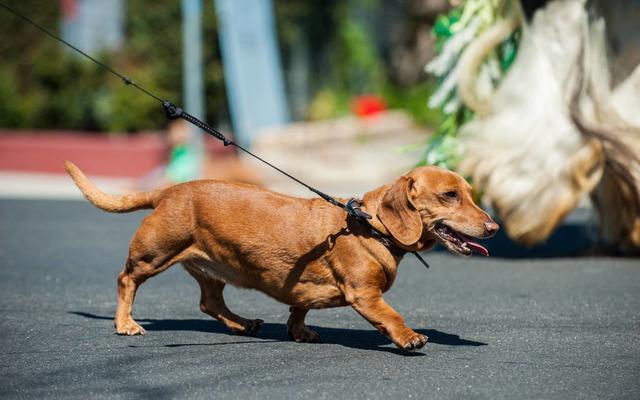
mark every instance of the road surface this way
{"type": "Point", "coordinates": [553, 328]}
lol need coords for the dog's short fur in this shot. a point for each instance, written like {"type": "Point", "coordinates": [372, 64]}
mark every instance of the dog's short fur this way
{"type": "Point", "coordinates": [303, 252]}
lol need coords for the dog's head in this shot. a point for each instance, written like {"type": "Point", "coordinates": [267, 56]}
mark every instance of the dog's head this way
{"type": "Point", "coordinates": [431, 204]}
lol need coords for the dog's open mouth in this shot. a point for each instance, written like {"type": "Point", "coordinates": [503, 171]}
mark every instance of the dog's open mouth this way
{"type": "Point", "coordinates": [458, 242]}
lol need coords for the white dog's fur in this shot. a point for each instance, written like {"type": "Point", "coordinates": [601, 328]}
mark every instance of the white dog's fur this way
{"type": "Point", "coordinates": [534, 147]}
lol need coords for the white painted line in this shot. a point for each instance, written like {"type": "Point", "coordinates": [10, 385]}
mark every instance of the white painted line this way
{"type": "Point", "coordinates": [53, 186]}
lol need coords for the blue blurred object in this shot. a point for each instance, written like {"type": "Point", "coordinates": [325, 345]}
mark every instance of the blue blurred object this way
{"type": "Point", "coordinates": [253, 72]}
{"type": "Point", "coordinates": [193, 81]}
{"type": "Point", "coordinates": [93, 25]}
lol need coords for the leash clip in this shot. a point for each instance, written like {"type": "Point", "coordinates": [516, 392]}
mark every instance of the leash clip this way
{"type": "Point", "coordinates": [353, 208]}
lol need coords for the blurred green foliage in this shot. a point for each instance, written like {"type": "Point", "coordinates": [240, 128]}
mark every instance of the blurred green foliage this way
{"type": "Point", "coordinates": [442, 147]}
{"type": "Point", "coordinates": [43, 85]}
{"type": "Point", "coordinates": [412, 100]}
{"type": "Point", "coordinates": [346, 62]}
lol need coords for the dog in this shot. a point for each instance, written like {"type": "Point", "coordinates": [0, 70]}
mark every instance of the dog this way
{"type": "Point", "coordinates": [306, 253]}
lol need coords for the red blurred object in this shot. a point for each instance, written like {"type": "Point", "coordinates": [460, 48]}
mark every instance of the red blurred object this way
{"type": "Point", "coordinates": [69, 9]}
{"type": "Point", "coordinates": [368, 105]}
{"type": "Point", "coordinates": [106, 155]}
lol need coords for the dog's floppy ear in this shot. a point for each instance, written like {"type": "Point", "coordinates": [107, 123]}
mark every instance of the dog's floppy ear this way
{"type": "Point", "coordinates": [397, 213]}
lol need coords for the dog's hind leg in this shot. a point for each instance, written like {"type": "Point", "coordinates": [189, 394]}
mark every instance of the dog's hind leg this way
{"type": "Point", "coordinates": [124, 323]}
{"type": "Point", "coordinates": [149, 254]}
{"type": "Point", "coordinates": [212, 303]}
{"type": "Point", "coordinates": [296, 328]}
{"type": "Point", "coordinates": [129, 280]}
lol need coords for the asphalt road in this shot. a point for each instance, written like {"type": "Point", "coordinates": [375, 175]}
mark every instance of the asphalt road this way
{"type": "Point", "coordinates": [499, 328]}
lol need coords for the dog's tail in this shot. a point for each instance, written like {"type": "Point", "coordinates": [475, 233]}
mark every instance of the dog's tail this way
{"type": "Point", "coordinates": [107, 202]}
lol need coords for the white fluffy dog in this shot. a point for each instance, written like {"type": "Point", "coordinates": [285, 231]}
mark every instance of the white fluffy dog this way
{"type": "Point", "coordinates": [553, 131]}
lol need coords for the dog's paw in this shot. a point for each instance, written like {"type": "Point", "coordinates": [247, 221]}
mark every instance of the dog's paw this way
{"type": "Point", "coordinates": [303, 334]}
{"type": "Point", "coordinates": [253, 326]}
{"type": "Point", "coordinates": [247, 327]}
{"type": "Point", "coordinates": [412, 341]}
{"type": "Point", "coordinates": [129, 328]}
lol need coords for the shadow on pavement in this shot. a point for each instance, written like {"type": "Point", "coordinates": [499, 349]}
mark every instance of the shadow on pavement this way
{"type": "Point", "coordinates": [368, 339]}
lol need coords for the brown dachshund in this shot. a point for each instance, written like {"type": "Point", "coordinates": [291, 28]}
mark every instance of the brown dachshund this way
{"type": "Point", "coordinates": [303, 252]}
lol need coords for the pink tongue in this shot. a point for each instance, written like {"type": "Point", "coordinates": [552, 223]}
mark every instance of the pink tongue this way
{"type": "Point", "coordinates": [478, 248]}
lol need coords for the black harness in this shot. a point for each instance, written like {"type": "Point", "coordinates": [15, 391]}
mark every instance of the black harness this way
{"type": "Point", "coordinates": [352, 207]}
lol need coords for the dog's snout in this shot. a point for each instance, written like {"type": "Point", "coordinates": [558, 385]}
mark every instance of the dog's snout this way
{"type": "Point", "coordinates": [490, 228]}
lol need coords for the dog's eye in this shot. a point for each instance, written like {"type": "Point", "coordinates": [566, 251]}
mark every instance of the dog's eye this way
{"type": "Point", "coordinates": [451, 195]}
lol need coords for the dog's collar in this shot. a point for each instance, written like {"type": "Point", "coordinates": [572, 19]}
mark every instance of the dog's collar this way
{"type": "Point", "coordinates": [386, 241]}
{"type": "Point", "coordinates": [393, 248]}
{"type": "Point", "coordinates": [353, 209]}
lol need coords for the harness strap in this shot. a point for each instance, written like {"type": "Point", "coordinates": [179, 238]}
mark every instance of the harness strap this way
{"type": "Point", "coordinates": [363, 218]}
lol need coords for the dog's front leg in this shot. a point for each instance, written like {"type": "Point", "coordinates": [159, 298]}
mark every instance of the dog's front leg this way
{"type": "Point", "coordinates": [296, 328]}
{"type": "Point", "coordinates": [375, 310]}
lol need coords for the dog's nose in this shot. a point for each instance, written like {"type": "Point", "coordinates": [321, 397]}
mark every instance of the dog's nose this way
{"type": "Point", "coordinates": [491, 228]}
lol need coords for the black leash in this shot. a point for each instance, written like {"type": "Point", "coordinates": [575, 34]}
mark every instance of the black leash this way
{"type": "Point", "coordinates": [352, 207]}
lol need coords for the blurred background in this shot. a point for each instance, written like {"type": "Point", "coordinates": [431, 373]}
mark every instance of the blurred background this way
{"type": "Point", "coordinates": [536, 102]}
